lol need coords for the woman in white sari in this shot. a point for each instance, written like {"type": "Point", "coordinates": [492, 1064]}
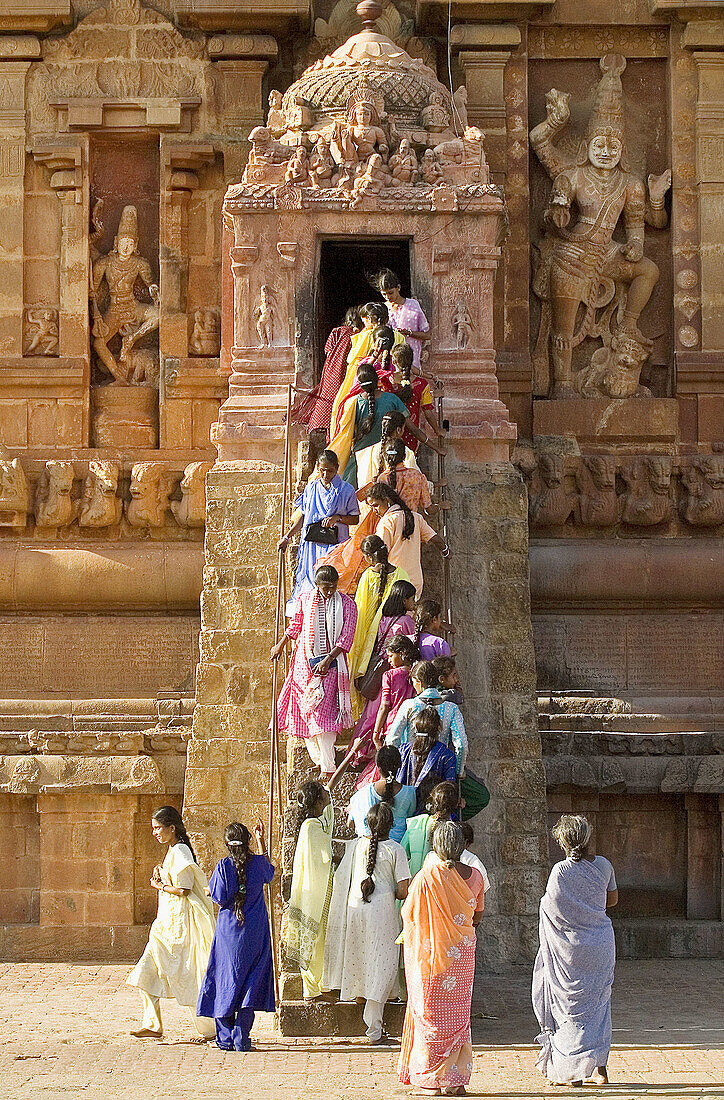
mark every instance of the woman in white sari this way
{"type": "Point", "coordinates": [174, 961]}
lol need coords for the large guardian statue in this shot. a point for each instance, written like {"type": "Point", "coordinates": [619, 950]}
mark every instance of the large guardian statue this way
{"type": "Point", "coordinates": [589, 284]}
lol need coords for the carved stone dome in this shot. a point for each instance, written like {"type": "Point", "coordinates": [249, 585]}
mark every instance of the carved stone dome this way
{"type": "Point", "coordinates": [367, 60]}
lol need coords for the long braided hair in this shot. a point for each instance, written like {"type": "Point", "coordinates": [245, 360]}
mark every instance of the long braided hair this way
{"type": "Point", "coordinates": [367, 378]}
{"type": "Point", "coordinates": [237, 839]}
{"type": "Point", "coordinates": [381, 491]}
{"type": "Point", "coordinates": [427, 733]}
{"type": "Point", "coordinates": [426, 611]}
{"type": "Point", "coordinates": [389, 762]}
{"type": "Point", "coordinates": [379, 822]}
{"type": "Point", "coordinates": [394, 455]}
{"type": "Point", "coordinates": [384, 342]}
{"type": "Point", "coordinates": [168, 816]}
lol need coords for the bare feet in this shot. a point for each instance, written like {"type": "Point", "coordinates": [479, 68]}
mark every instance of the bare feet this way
{"type": "Point", "coordinates": [600, 1077]}
{"type": "Point", "coordinates": [147, 1033]}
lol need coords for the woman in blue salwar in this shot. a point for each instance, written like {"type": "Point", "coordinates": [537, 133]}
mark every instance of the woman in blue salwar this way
{"type": "Point", "coordinates": [426, 761]}
{"type": "Point", "coordinates": [239, 978]}
{"type": "Point", "coordinates": [326, 503]}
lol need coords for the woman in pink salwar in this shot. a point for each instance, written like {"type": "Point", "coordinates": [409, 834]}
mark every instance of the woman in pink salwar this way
{"type": "Point", "coordinates": [315, 702]}
{"type": "Point", "coordinates": [406, 315]}
{"type": "Point", "coordinates": [443, 908]}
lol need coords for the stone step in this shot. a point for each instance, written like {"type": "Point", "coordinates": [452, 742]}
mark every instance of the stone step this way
{"type": "Point", "coordinates": [343, 1019]}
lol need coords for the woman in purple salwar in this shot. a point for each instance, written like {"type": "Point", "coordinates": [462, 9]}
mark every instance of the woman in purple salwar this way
{"type": "Point", "coordinates": [573, 971]}
{"type": "Point", "coordinates": [239, 978]}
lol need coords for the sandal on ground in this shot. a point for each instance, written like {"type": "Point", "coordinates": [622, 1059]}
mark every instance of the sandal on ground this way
{"type": "Point", "coordinates": [146, 1033]}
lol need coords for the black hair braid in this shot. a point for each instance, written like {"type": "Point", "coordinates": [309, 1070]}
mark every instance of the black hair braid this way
{"type": "Point", "coordinates": [367, 886]}
{"type": "Point", "coordinates": [428, 725]}
{"type": "Point", "coordinates": [389, 762]}
{"type": "Point", "coordinates": [391, 464]}
{"type": "Point", "coordinates": [379, 822]}
{"type": "Point", "coordinates": [365, 425]}
{"type": "Point", "coordinates": [425, 612]}
{"type": "Point", "coordinates": [237, 839]}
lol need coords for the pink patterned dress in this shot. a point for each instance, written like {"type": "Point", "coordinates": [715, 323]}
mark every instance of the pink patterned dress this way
{"type": "Point", "coordinates": [326, 716]}
{"type": "Point", "coordinates": [409, 316]}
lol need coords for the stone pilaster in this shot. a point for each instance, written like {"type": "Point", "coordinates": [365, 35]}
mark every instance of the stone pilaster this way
{"type": "Point", "coordinates": [12, 172]}
{"type": "Point", "coordinates": [710, 177]}
{"type": "Point", "coordinates": [488, 535]}
{"type": "Point", "coordinates": [227, 776]}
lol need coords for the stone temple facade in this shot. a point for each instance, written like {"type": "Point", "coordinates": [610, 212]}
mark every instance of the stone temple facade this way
{"type": "Point", "coordinates": [186, 185]}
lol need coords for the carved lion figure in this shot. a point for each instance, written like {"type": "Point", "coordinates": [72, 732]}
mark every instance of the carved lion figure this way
{"type": "Point", "coordinates": [190, 511]}
{"type": "Point", "coordinates": [100, 506]}
{"type": "Point", "coordinates": [149, 496]}
{"type": "Point", "coordinates": [703, 505]}
{"type": "Point", "coordinates": [551, 503]}
{"type": "Point", "coordinates": [597, 505]}
{"type": "Point", "coordinates": [614, 371]}
{"type": "Point", "coordinates": [14, 494]}
{"type": "Point", "coordinates": [647, 497]}
{"type": "Point", "coordinates": [54, 506]}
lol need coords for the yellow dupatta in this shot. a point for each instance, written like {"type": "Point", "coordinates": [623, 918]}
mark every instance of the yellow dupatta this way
{"type": "Point", "coordinates": [311, 886]}
{"type": "Point", "coordinates": [343, 442]}
{"type": "Point", "coordinates": [369, 613]}
{"type": "Point", "coordinates": [437, 916]}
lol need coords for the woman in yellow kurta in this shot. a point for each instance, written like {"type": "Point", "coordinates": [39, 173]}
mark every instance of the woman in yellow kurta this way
{"type": "Point", "coordinates": [372, 591]}
{"type": "Point", "coordinates": [306, 918]}
{"type": "Point", "coordinates": [174, 961]}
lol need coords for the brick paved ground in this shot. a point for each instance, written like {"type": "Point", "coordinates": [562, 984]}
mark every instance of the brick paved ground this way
{"type": "Point", "coordinates": [64, 1034]}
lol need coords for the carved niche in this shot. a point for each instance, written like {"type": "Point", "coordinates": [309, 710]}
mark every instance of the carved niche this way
{"type": "Point", "coordinates": [591, 286]}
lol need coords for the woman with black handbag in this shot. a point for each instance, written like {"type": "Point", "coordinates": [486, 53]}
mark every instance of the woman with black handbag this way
{"type": "Point", "coordinates": [327, 508]}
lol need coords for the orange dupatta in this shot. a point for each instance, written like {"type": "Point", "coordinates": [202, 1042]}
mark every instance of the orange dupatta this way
{"type": "Point", "coordinates": [437, 916]}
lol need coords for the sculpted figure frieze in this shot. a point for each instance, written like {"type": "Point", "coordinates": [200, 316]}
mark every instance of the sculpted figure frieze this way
{"type": "Point", "coordinates": [14, 494]}
{"type": "Point", "coordinates": [122, 273]}
{"type": "Point", "coordinates": [703, 479]}
{"type": "Point", "coordinates": [40, 336]}
{"type": "Point", "coordinates": [190, 511]}
{"type": "Point", "coordinates": [367, 121]}
{"type": "Point", "coordinates": [149, 495]}
{"type": "Point", "coordinates": [589, 284]}
{"type": "Point", "coordinates": [646, 500]}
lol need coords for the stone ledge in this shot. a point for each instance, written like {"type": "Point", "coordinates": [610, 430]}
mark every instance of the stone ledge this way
{"type": "Point", "coordinates": [340, 1019]}
{"type": "Point", "coordinates": [72, 944]}
{"type": "Point", "coordinates": [673, 939]}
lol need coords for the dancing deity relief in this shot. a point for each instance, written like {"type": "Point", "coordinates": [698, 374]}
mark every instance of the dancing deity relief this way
{"type": "Point", "coordinates": [122, 269]}
{"type": "Point", "coordinates": [589, 284]}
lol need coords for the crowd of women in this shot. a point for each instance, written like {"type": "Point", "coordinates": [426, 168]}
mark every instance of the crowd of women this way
{"type": "Point", "coordinates": [344, 929]}
{"type": "Point", "coordinates": [371, 658]}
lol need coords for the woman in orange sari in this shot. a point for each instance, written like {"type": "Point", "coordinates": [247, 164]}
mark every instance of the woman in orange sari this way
{"type": "Point", "coordinates": [443, 908]}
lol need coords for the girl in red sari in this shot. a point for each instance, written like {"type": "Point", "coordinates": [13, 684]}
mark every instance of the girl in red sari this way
{"type": "Point", "coordinates": [443, 908]}
{"type": "Point", "coordinates": [414, 390]}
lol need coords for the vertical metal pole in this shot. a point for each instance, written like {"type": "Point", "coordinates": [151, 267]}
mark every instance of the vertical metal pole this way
{"type": "Point", "coordinates": [442, 499]}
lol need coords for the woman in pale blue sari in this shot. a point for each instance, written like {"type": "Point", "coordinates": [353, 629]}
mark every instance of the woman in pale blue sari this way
{"type": "Point", "coordinates": [326, 503]}
{"type": "Point", "coordinates": [573, 971]}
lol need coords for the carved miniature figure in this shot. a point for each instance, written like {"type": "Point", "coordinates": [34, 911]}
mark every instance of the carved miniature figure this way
{"type": "Point", "coordinates": [298, 119]}
{"type": "Point", "coordinates": [205, 337]}
{"type": "Point", "coordinates": [614, 369]}
{"type": "Point", "coordinates": [550, 503]}
{"type": "Point", "coordinates": [264, 314]}
{"type": "Point", "coordinates": [374, 179]}
{"type": "Point", "coordinates": [597, 504]}
{"type": "Point", "coordinates": [462, 324]}
{"type": "Point", "coordinates": [466, 150]}
{"type": "Point", "coordinates": [403, 164]}
{"type": "Point", "coordinates": [41, 331]}
{"type": "Point", "coordinates": [436, 117]}
{"type": "Point", "coordinates": [122, 269]}
{"type": "Point", "coordinates": [190, 511]}
{"type": "Point", "coordinates": [14, 493]}
{"type": "Point", "coordinates": [322, 169]}
{"type": "Point", "coordinates": [266, 155]}
{"type": "Point", "coordinates": [143, 368]}
{"type": "Point", "coordinates": [100, 505]}
{"type": "Point", "coordinates": [703, 505]}
{"type": "Point", "coordinates": [275, 118]}
{"type": "Point", "coordinates": [54, 506]}
{"type": "Point", "coordinates": [430, 170]}
{"type": "Point", "coordinates": [646, 499]}
{"type": "Point", "coordinates": [353, 142]}
{"type": "Point", "coordinates": [149, 495]}
{"type": "Point", "coordinates": [577, 260]}
{"type": "Point", "coordinates": [297, 172]}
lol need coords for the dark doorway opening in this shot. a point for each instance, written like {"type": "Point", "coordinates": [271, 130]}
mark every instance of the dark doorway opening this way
{"type": "Point", "coordinates": [343, 270]}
